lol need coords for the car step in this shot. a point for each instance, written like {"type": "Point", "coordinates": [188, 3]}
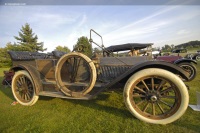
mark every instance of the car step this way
{"type": "Point", "coordinates": [71, 84]}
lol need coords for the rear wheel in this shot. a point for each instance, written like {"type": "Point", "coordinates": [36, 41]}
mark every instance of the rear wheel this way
{"type": "Point", "coordinates": [190, 68]}
{"type": "Point", "coordinates": [23, 88]}
{"type": "Point", "coordinates": [156, 96]}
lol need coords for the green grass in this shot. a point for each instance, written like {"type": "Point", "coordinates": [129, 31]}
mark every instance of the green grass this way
{"type": "Point", "coordinates": [107, 113]}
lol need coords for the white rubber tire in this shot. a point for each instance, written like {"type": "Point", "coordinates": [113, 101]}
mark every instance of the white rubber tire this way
{"type": "Point", "coordinates": [167, 75]}
{"type": "Point", "coordinates": [34, 98]}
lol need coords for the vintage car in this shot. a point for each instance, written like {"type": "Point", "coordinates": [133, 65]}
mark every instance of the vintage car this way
{"type": "Point", "coordinates": [196, 56]}
{"type": "Point", "coordinates": [180, 52]}
{"type": "Point", "coordinates": [154, 91]}
{"type": "Point", "coordinates": [183, 59]}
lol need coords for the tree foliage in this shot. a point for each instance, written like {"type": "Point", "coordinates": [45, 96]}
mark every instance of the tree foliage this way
{"type": "Point", "coordinates": [84, 45]}
{"type": "Point", "coordinates": [28, 41]}
{"type": "Point", "coordinates": [64, 49]}
{"type": "Point", "coordinates": [5, 60]}
{"type": "Point", "coordinates": [166, 48]}
{"type": "Point", "coordinates": [191, 44]}
{"type": "Point", "coordinates": [97, 50]}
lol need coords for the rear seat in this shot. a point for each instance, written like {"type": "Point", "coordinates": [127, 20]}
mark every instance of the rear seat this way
{"type": "Point", "coordinates": [26, 56]}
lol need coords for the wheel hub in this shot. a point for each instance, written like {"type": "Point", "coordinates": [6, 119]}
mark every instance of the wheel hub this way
{"type": "Point", "coordinates": [152, 96]}
{"type": "Point", "coordinates": [24, 88]}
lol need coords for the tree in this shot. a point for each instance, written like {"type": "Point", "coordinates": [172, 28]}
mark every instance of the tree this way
{"type": "Point", "coordinates": [172, 46]}
{"type": "Point", "coordinates": [84, 45]}
{"type": "Point", "coordinates": [28, 41]}
{"type": "Point", "coordinates": [64, 49]}
{"type": "Point", "coordinates": [166, 48]}
{"type": "Point", "coordinates": [5, 60]}
{"type": "Point", "coordinates": [97, 50]}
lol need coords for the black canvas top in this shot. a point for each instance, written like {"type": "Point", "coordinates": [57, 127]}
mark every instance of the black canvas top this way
{"type": "Point", "coordinates": [128, 46]}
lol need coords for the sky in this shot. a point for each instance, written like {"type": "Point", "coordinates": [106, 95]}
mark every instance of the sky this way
{"type": "Point", "coordinates": [117, 24]}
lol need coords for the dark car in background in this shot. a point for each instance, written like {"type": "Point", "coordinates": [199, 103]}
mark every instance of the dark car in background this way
{"type": "Point", "coordinates": [196, 56]}
{"type": "Point", "coordinates": [183, 59]}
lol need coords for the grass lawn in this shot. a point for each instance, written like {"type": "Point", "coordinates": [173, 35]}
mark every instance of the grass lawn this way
{"type": "Point", "coordinates": [107, 113]}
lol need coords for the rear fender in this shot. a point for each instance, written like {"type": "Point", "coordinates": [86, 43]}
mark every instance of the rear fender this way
{"type": "Point", "coordinates": [150, 64]}
{"type": "Point", "coordinates": [33, 73]}
{"type": "Point", "coordinates": [184, 60]}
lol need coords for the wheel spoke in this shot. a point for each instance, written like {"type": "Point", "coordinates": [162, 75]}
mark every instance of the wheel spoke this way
{"type": "Point", "coordinates": [166, 90]}
{"type": "Point", "coordinates": [140, 102]}
{"type": "Point", "coordinates": [23, 95]}
{"type": "Point", "coordinates": [28, 96]}
{"type": "Point", "coordinates": [19, 82]}
{"type": "Point", "coordinates": [166, 103]}
{"type": "Point", "coordinates": [145, 85]}
{"type": "Point", "coordinates": [162, 83]}
{"type": "Point", "coordinates": [139, 89]}
{"type": "Point", "coordinates": [23, 79]}
{"type": "Point", "coordinates": [145, 107]}
{"type": "Point", "coordinates": [138, 95]}
{"type": "Point", "coordinates": [153, 109]}
{"type": "Point", "coordinates": [162, 110]}
{"type": "Point", "coordinates": [28, 93]}
{"type": "Point", "coordinates": [27, 81]}
{"type": "Point", "coordinates": [152, 83]}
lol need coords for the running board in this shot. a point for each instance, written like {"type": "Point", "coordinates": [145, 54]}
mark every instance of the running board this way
{"type": "Point", "coordinates": [62, 95]}
{"type": "Point", "coordinates": [71, 84]}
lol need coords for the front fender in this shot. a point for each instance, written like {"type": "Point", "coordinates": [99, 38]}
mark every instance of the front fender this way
{"type": "Point", "coordinates": [182, 60]}
{"type": "Point", "coordinates": [151, 64]}
{"type": "Point", "coordinates": [33, 73]}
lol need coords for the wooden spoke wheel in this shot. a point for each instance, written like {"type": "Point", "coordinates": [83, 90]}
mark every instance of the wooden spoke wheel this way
{"type": "Point", "coordinates": [190, 68]}
{"type": "Point", "coordinates": [23, 88]}
{"type": "Point", "coordinates": [75, 74]}
{"type": "Point", "coordinates": [156, 96]}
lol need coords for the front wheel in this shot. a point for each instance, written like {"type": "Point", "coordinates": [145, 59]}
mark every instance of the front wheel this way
{"type": "Point", "coordinates": [23, 88]}
{"type": "Point", "coordinates": [156, 96]}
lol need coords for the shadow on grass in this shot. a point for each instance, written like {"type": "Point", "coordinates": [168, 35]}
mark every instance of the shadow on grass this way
{"type": "Point", "coordinates": [46, 98]}
{"type": "Point", "coordinates": [107, 107]}
{"type": "Point", "coordinates": [6, 90]}
{"type": "Point", "coordinates": [100, 103]}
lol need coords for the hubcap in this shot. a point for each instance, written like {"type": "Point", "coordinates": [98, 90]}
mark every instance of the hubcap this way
{"type": "Point", "coordinates": [154, 98]}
